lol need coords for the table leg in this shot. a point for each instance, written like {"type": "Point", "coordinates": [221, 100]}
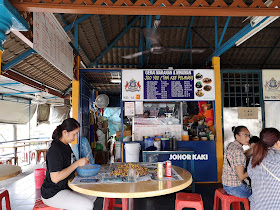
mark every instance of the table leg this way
{"type": "Point", "coordinates": [130, 203]}
{"type": "Point", "coordinates": [15, 160]}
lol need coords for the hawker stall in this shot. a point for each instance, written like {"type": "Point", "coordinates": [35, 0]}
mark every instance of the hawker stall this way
{"type": "Point", "coordinates": [173, 110]}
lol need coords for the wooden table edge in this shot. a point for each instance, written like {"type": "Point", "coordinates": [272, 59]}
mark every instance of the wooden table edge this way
{"type": "Point", "coordinates": [10, 175]}
{"type": "Point", "coordinates": [133, 195]}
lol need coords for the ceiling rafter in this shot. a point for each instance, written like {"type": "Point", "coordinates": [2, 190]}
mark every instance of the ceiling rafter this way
{"type": "Point", "coordinates": [145, 7]}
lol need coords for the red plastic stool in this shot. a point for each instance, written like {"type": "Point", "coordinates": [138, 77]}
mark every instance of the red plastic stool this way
{"type": "Point", "coordinates": [188, 200]}
{"type": "Point", "coordinates": [5, 194]}
{"type": "Point", "coordinates": [41, 206]}
{"type": "Point", "coordinates": [227, 199]}
{"type": "Point", "coordinates": [109, 204]}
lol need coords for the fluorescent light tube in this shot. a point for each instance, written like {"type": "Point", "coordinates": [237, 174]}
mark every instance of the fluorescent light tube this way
{"type": "Point", "coordinates": [116, 80]}
{"type": "Point", "coordinates": [256, 30]}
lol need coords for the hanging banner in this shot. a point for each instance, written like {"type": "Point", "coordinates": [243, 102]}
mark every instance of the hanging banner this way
{"type": "Point", "coordinates": [51, 42]}
{"type": "Point", "coordinates": [271, 84]}
{"type": "Point", "coordinates": [168, 85]}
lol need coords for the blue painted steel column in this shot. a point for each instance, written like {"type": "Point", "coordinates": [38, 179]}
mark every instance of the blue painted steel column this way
{"type": "Point", "coordinates": [29, 119]}
{"type": "Point", "coordinates": [102, 30]}
{"type": "Point", "coordinates": [18, 59]}
{"type": "Point", "coordinates": [81, 19]}
{"type": "Point", "coordinates": [224, 31]}
{"type": "Point", "coordinates": [140, 62]}
{"type": "Point", "coordinates": [216, 32]}
{"type": "Point", "coordinates": [9, 19]}
{"type": "Point", "coordinates": [76, 34]}
{"type": "Point", "coordinates": [231, 42]}
{"type": "Point", "coordinates": [120, 35]}
{"type": "Point", "coordinates": [187, 40]}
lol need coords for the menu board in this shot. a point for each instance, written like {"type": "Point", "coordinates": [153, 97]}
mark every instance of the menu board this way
{"type": "Point", "coordinates": [51, 42]}
{"type": "Point", "coordinates": [168, 85]}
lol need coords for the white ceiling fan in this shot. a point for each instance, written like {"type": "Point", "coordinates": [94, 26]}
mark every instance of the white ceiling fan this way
{"type": "Point", "coordinates": [156, 46]}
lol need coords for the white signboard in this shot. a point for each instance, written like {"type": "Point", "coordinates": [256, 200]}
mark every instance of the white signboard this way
{"type": "Point", "coordinates": [168, 85]}
{"type": "Point", "coordinates": [129, 109]}
{"type": "Point", "coordinates": [50, 41]}
{"type": "Point", "coordinates": [271, 84]}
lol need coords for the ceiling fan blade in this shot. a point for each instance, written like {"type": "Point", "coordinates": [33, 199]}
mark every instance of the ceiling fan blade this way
{"type": "Point", "coordinates": [152, 35]}
{"type": "Point", "coordinates": [193, 50]}
{"type": "Point", "coordinates": [134, 55]}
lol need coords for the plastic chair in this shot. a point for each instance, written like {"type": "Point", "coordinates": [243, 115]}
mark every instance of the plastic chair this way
{"type": "Point", "coordinates": [109, 204]}
{"type": "Point", "coordinates": [39, 205]}
{"type": "Point", "coordinates": [227, 199]}
{"type": "Point", "coordinates": [37, 154]}
{"type": "Point", "coordinates": [188, 200]}
{"type": "Point", "coordinates": [5, 194]}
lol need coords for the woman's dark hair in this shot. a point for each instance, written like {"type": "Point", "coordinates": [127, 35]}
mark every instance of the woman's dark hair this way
{"type": "Point", "coordinates": [268, 137]}
{"type": "Point", "coordinates": [148, 112]}
{"type": "Point", "coordinates": [254, 139]}
{"type": "Point", "coordinates": [69, 124]}
{"type": "Point", "coordinates": [236, 130]}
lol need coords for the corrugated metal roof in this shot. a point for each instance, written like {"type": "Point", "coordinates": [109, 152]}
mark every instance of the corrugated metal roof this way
{"type": "Point", "coordinates": [97, 32]}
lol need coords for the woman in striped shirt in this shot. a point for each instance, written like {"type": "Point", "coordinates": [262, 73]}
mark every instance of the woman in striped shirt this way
{"type": "Point", "coordinates": [264, 171]}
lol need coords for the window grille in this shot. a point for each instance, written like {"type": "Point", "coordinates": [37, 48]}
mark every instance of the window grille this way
{"type": "Point", "coordinates": [241, 89]}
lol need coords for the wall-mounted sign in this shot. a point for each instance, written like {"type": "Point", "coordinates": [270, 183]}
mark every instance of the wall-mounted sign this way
{"type": "Point", "coordinates": [166, 84]}
{"type": "Point", "coordinates": [247, 112]}
{"type": "Point", "coordinates": [271, 84]}
{"type": "Point", "coordinates": [51, 42]}
{"type": "Point", "coordinates": [129, 109]}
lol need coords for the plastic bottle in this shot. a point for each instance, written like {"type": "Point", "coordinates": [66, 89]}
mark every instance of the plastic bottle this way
{"type": "Point", "coordinates": [174, 143]}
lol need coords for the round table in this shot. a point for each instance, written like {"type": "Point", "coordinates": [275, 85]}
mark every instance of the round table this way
{"type": "Point", "coordinates": [144, 189]}
{"type": "Point", "coordinates": [8, 171]}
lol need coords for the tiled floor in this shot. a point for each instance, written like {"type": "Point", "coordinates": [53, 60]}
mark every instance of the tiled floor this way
{"type": "Point", "coordinates": [23, 195]}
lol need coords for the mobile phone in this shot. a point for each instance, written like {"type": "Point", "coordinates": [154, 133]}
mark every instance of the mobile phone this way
{"type": "Point", "coordinates": [89, 180]}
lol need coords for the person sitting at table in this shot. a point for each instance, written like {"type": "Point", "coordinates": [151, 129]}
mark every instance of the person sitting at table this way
{"type": "Point", "coordinates": [146, 114]}
{"type": "Point", "coordinates": [234, 164]}
{"type": "Point", "coordinates": [161, 115]}
{"type": "Point", "coordinates": [264, 171]}
{"type": "Point", "coordinates": [61, 165]}
{"type": "Point", "coordinates": [252, 143]}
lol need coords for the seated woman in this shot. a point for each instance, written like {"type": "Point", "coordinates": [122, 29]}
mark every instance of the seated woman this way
{"type": "Point", "coordinates": [264, 171]}
{"type": "Point", "coordinates": [61, 166]}
{"type": "Point", "coordinates": [234, 164]}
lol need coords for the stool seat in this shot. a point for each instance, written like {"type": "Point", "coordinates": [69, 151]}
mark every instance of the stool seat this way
{"type": "Point", "coordinates": [188, 200]}
{"type": "Point", "coordinates": [109, 204]}
{"type": "Point", "coordinates": [5, 194]}
{"type": "Point", "coordinates": [39, 205]}
{"type": "Point", "coordinates": [227, 200]}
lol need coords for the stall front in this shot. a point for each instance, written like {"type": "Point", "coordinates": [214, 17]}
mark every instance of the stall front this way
{"type": "Point", "coordinates": [173, 110]}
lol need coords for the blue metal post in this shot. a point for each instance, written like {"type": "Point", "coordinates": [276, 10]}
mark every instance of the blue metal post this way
{"type": "Point", "coordinates": [81, 19]}
{"type": "Point", "coordinates": [102, 31]}
{"type": "Point", "coordinates": [29, 119]}
{"type": "Point", "coordinates": [76, 34]}
{"type": "Point", "coordinates": [94, 63]}
{"type": "Point", "coordinates": [18, 59]}
{"type": "Point", "coordinates": [73, 38]}
{"type": "Point", "coordinates": [140, 64]}
{"type": "Point", "coordinates": [231, 42]}
{"type": "Point", "coordinates": [216, 32]}
{"type": "Point", "coordinates": [224, 31]}
{"type": "Point", "coordinates": [187, 40]}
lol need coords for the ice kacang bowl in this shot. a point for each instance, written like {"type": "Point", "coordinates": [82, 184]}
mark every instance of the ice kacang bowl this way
{"type": "Point", "coordinates": [88, 170]}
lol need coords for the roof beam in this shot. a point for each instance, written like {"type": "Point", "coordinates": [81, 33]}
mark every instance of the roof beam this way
{"type": "Point", "coordinates": [270, 52]}
{"type": "Point", "coordinates": [24, 80]}
{"type": "Point", "coordinates": [119, 36]}
{"type": "Point", "coordinates": [232, 41]}
{"type": "Point", "coordinates": [81, 19]}
{"type": "Point", "coordinates": [187, 39]}
{"type": "Point", "coordinates": [102, 30]}
{"type": "Point", "coordinates": [74, 39]}
{"type": "Point", "coordinates": [18, 59]}
{"type": "Point", "coordinates": [217, 8]}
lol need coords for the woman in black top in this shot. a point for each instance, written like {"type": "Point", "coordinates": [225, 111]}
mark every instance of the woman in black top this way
{"type": "Point", "coordinates": [61, 166]}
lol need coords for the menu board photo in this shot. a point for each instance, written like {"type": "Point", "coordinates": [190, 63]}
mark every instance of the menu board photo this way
{"type": "Point", "coordinates": [168, 84]}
